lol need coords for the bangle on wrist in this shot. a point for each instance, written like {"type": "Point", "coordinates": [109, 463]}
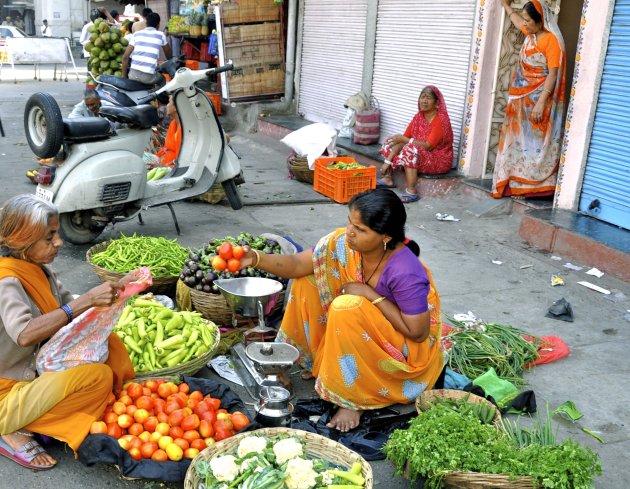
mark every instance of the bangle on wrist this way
{"type": "Point", "coordinates": [255, 264]}
{"type": "Point", "coordinates": [66, 308]}
{"type": "Point", "coordinates": [547, 90]}
{"type": "Point", "coordinates": [378, 300]}
{"type": "Point", "coordinates": [411, 141]}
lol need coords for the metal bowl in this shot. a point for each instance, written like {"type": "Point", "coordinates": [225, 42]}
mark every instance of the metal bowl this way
{"type": "Point", "coordinates": [244, 293]}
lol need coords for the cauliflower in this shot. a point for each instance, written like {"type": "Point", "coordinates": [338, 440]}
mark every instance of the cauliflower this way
{"type": "Point", "coordinates": [225, 468]}
{"type": "Point", "coordinates": [300, 474]}
{"type": "Point", "coordinates": [287, 449]}
{"type": "Point", "coordinates": [251, 444]}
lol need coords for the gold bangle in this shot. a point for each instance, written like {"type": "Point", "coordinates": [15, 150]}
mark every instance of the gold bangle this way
{"type": "Point", "coordinates": [378, 300]}
{"type": "Point", "coordinates": [254, 265]}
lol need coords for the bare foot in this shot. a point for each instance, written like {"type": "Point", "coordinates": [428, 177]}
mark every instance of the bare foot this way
{"type": "Point", "coordinates": [307, 375]}
{"type": "Point", "coordinates": [345, 420]}
{"type": "Point", "coordinates": [17, 440]}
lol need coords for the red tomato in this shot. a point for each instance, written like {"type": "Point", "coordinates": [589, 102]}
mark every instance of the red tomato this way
{"type": "Point", "coordinates": [205, 429]}
{"type": "Point", "coordinates": [134, 390]}
{"type": "Point", "coordinates": [183, 444]}
{"type": "Point", "coordinates": [98, 427]}
{"type": "Point", "coordinates": [238, 252]}
{"type": "Point", "coordinates": [190, 422]}
{"type": "Point", "coordinates": [233, 265]}
{"type": "Point", "coordinates": [191, 435]}
{"type": "Point", "coordinates": [176, 417]}
{"type": "Point", "coordinates": [135, 429]}
{"type": "Point", "coordinates": [222, 434]}
{"type": "Point", "coordinates": [148, 449]}
{"type": "Point", "coordinates": [176, 432]}
{"type": "Point", "coordinates": [209, 416]}
{"type": "Point", "coordinates": [225, 250]}
{"type": "Point", "coordinates": [114, 430]}
{"type": "Point", "coordinates": [135, 453]}
{"type": "Point", "coordinates": [159, 456]}
{"type": "Point", "coordinates": [213, 402]}
{"type": "Point", "coordinates": [199, 444]}
{"type": "Point", "coordinates": [184, 387]}
{"type": "Point", "coordinates": [239, 421]}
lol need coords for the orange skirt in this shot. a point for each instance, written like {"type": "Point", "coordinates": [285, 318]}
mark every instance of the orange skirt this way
{"type": "Point", "coordinates": [63, 405]}
{"type": "Point", "coordinates": [359, 359]}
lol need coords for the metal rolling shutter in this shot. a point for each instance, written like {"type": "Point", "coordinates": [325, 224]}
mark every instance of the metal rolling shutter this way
{"type": "Point", "coordinates": [418, 44]}
{"type": "Point", "coordinates": [606, 186]}
{"type": "Point", "coordinates": [332, 57]}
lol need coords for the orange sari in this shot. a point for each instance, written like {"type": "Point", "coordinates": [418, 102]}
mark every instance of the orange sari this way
{"type": "Point", "coordinates": [529, 152]}
{"type": "Point", "coordinates": [61, 405]}
{"type": "Point", "coordinates": [359, 359]}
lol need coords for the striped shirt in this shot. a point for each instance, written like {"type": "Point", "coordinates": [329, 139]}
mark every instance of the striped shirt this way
{"type": "Point", "coordinates": [147, 44]}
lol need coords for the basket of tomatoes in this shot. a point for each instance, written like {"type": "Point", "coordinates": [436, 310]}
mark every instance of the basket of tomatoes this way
{"type": "Point", "coordinates": [164, 420]}
{"type": "Point", "coordinates": [220, 259]}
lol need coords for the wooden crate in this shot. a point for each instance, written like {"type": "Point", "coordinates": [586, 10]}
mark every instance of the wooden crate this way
{"type": "Point", "coordinates": [249, 11]}
{"type": "Point", "coordinates": [252, 54]}
{"type": "Point", "coordinates": [263, 82]}
{"type": "Point", "coordinates": [238, 34]}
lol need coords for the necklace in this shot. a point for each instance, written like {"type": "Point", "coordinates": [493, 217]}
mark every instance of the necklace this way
{"type": "Point", "coordinates": [375, 269]}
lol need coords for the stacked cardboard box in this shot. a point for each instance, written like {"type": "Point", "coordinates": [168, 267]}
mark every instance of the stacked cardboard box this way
{"type": "Point", "coordinates": [253, 40]}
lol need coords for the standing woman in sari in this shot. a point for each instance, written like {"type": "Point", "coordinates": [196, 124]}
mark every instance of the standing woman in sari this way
{"type": "Point", "coordinates": [531, 136]}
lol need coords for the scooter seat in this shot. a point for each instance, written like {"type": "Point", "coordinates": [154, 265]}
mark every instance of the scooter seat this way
{"type": "Point", "coordinates": [124, 83]}
{"type": "Point", "coordinates": [138, 116]}
{"type": "Point", "coordinates": [83, 129]}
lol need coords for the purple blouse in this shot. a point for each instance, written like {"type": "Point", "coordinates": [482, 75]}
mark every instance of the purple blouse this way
{"type": "Point", "coordinates": [405, 282]}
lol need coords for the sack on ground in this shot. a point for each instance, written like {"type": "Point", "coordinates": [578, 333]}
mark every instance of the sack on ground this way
{"type": "Point", "coordinates": [84, 340]}
{"type": "Point", "coordinates": [367, 128]}
{"type": "Point", "coordinates": [312, 141]}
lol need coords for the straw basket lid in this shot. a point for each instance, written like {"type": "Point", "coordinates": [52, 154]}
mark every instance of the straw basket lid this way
{"type": "Point", "coordinates": [316, 446]}
{"type": "Point", "coordinates": [429, 397]}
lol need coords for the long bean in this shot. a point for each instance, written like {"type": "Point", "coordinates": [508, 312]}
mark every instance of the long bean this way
{"type": "Point", "coordinates": [164, 257]}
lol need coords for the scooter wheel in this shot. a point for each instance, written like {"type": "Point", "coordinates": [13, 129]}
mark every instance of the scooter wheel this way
{"type": "Point", "coordinates": [43, 125]}
{"type": "Point", "coordinates": [77, 227]}
{"type": "Point", "coordinates": [232, 194]}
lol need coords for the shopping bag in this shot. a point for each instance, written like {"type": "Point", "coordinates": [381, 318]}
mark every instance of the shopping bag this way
{"type": "Point", "coordinates": [84, 340]}
{"type": "Point", "coordinates": [367, 127]}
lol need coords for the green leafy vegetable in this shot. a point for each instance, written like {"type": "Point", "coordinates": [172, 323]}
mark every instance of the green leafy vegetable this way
{"type": "Point", "coordinates": [568, 410]}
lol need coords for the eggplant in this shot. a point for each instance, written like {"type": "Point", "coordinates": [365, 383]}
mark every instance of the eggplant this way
{"type": "Point", "coordinates": [199, 287]}
{"type": "Point", "coordinates": [207, 288]}
{"type": "Point", "coordinates": [194, 267]}
{"type": "Point", "coordinates": [198, 274]}
{"type": "Point", "coordinates": [211, 277]}
{"type": "Point", "coordinates": [215, 289]}
{"type": "Point", "coordinates": [271, 242]}
{"type": "Point", "coordinates": [190, 281]}
{"type": "Point", "coordinates": [195, 257]}
{"type": "Point", "coordinates": [203, 281]}
{"type": "Point", "coordinates": [251, 271]}
{"type": "Point", "coordinates": [182, 276]}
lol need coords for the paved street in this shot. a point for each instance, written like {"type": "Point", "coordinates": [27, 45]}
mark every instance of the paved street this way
{"type": "Point", "coordinates": [459, 254]}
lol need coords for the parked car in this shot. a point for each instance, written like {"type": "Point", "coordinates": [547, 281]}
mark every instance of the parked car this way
{"type": "Point", "coordinates": [11, 31]}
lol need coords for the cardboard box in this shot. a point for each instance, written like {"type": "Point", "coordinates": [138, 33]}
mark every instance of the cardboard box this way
{"type": "Point", "coordinates": [268, 31]}
{"type": "Point", "coordinates": [256, 81]}
{"type": "Point", "coordinates": [249, 11]}
{"type": "Point", "coordinates": [251, 54]}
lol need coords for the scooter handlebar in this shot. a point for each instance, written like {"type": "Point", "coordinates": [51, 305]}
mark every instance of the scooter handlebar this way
{"type": "Point", "coordinates": [220, 69]}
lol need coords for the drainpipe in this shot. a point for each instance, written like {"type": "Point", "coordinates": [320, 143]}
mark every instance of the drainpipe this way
{"type": "Point", "coordinates": [290, 56]}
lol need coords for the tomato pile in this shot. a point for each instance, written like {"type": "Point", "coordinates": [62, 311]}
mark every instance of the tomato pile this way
{"type": "Point", "coordinates": [160, 420]}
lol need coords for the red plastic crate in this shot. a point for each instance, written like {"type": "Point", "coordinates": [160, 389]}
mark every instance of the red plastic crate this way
{"type": "Point", "coordinates": [342, 185]}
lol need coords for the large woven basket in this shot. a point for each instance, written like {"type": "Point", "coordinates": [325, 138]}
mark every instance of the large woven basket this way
{"type": "Point", "coordinates": [472, 480]}
{"type": "Point", "coordinates": [191, 367]}
{"type": "Point", "coordinates": [317, 446]}
{"type": "Point", "coordinates": [427, 398]}
{"type": "Point", "coordinates": [161, 285]}
{"type": "Point", "coordinates": [215, 308]}
{"type": "Point", "coordinates": [212, 196]}
{"type": "Point", "coordinates": [298, 167]}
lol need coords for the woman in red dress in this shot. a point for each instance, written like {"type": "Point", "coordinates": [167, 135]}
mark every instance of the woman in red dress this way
{"type": "Point", "coordinates": [425, 147]}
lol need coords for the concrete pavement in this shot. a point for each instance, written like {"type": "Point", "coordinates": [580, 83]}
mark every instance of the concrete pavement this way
{"type": "Point", "coordinates": [460, 255]}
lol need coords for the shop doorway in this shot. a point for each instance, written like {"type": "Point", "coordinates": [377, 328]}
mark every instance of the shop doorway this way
{"type": "Point", "coordinates": [569, 14]}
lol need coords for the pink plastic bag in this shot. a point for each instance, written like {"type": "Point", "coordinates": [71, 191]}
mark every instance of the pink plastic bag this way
{"type": "Point", "coordinates": [84, 340]}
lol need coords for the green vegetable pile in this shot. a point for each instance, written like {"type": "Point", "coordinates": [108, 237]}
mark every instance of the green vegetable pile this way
{"type": "Point", "coordinates": [157, 337]}
{"type": "Point", "coordinates": [198, 273]}
{"type": "Point", "coordinates": [106, 46]}
{"type": "Point", "coordinates": [485, 411]}
{"type": "Point", "coordinates": [340, 165]}
{"type": "Point", "coordinates": [442, 441]}
{"type": "Point", "coordinates": [164, 257]}
{"type": "Point", "coordinates": [477, 348]}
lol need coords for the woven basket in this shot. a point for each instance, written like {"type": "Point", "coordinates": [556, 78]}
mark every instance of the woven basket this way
{"type": "Point", "coordinates": [316, 446]}
{"type": "Point", "coordinates": [427, 398]}
{"type": "Point", "coordinates": [215, 308]}
{"type": "Point", "coordinates": [298, 167]}
{"type": "Point", "coordinates": [191, 367]}
{"type": "Point", "coordinates": [161, 285]}
{"type": "Point", "coordinates": [212, 196]}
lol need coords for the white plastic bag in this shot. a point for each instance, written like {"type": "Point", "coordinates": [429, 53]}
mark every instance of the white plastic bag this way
{"type": "Point", "coordinates": [311, 141]}
{"type": "Point", "coordinates": [346, 130]}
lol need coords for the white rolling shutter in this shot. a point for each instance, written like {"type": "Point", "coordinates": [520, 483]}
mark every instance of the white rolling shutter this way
{"type": "Point", "coordinates": [421, 43]}
{"type": "Point", "coordinates": [332, 57]}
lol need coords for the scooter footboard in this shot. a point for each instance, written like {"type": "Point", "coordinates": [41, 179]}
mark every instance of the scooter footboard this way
{"type": "Point", "coordinates": [106, 179]}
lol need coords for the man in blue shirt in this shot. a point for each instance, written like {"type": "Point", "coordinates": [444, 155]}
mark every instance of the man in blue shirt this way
{"type": "Point", "coordinates": [144, 51]}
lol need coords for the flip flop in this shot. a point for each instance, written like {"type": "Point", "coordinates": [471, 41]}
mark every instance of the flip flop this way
{"type": "Point", "coordinates": [381, 184]}
{"type": "Point", "coordinates": [408, 198]}
{"type": "Point", "coordinates": [25, 454]}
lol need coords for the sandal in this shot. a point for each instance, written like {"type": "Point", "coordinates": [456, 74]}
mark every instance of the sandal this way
{"type": "Point", "coordinates": [381, 184]}
{"type": "Point", "coordinates": [25, 454]}
{"type": "Point", "coordinates": [408, 197]}
{"type": "Point", "coordinates": [307, 375]}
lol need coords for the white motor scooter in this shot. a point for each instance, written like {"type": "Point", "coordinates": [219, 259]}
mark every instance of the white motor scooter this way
{"type": "Point", "coordinates": [99, 175]}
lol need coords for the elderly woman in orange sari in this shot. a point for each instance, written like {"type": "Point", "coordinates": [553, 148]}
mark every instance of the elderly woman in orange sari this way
{"type": "Point", "coordinates": [531, 136]}
{"type": "Point", "coordinates": [33, 308]}
{"type": "Point", "coordinates": [363, 311]}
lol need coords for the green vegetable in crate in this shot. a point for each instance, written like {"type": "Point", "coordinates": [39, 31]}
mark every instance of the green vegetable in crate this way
{"type": "Point", "coordinates": [157, 337]}
{"type": "Point", "coordinates": [164, 257]}
{"type": "Point", "coordinates": [199, 274]}
{"type": "Point", "coordinates": [339, 165]}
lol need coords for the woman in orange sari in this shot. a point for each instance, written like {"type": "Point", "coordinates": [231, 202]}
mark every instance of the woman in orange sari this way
{"type": "Point", "coordinates": [531, 136]}
{"type": "Point", "coordinates": [363, 311]}
{"type": "Point", "coordinates": [33, 308]}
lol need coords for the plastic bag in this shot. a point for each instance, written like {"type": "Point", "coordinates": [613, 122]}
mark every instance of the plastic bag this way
{"type": "Point", "coordinates": [84, 340]}
{"type": "Point", "coordinates": [346, 130]}
{"type": "Point", "coordinates": [312, 140]}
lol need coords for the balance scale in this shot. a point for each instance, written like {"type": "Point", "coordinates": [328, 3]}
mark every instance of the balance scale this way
{"type": "Point", "coordinates": [258, 363]}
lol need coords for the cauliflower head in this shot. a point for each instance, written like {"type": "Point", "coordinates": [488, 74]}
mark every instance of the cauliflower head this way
{"type": "Point", "coordinates": [300, 474]}
{"type": "Point", "coordinates": [251, 444]}
{"type": "Point", "coordinates": [225, 468]}
{"type": "Point", "coordinates": [287, 449]}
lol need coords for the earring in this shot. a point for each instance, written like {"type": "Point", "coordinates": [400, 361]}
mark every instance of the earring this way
{"type": "Point", "coordinates": [384, 245]}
